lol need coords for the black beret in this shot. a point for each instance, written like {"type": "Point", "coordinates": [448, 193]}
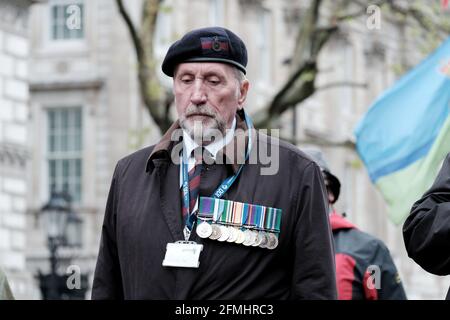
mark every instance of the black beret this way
{"type": "Point", "coordinates": [214, 44]}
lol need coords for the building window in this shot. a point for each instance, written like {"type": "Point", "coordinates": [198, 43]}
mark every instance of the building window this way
{"type": "Point", "coordinates": [67, 20]}
{"type": "Point", "coordinates": [64, 151]}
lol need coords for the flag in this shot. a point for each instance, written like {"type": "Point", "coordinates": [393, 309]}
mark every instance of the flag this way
{"type": "Point", "coordinates": [444, 4]}
{"type": "Point", "coordinates": [405, 135]}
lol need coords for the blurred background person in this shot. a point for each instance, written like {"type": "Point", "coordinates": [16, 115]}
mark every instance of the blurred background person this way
{"type": "Point", "coordinates": [365, 269]}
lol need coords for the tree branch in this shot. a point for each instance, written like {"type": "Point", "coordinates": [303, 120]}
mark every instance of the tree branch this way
{"type": "Point", "coordinates": [322, 142]}
{"type": "Point", "coordinates": [149, 16]}
{"type": "Point", "coordinates": [342, 84]}
{"type": "Point", "coordinates": [360, 12]}
{"type": "Point", "coordinates": [133, 33]}
{"type": "Point", "coordinates": [277, 100]}
{"type": "Point", "coordinates": [302, 50]}
{"type": "Point", "coordinates": [155, 98]}
{"type": "Point", "coordinates": [422, 19]}
{"type": "Point", "coordinates": [300, 85]}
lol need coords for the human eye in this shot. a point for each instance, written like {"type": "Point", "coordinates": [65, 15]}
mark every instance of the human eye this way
{"type": "Point", "coordinates": [186, 79]}
{"type": "Point", "coordinates": [213, 80]}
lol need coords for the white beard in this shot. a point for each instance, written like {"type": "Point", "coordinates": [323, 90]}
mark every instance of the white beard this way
{"type": "Point", "coordinates": [203, 131]}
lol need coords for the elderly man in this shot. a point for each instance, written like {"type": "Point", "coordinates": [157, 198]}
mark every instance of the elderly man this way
{"type": "Point", "coordinates": [195, 217]}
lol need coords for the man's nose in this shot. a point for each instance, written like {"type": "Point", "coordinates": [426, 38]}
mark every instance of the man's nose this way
{"type": "Point", "coordinates": [199, 93]}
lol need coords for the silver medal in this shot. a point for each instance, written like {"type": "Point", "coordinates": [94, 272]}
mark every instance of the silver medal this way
{"type": "Point", "coordinates": [265, 240]}
{"type": "Point", "coordinates": [248, 238]}
{"type": "Point", "coordinates": [225, 233]}
{"type": "Point", "coordinates": [259, 239]}
{"type": "Point", "coordinates": [204, 230]}
{"type": "Point", "coordinates": [254, 237]}
{"type": "Point", "coordinates": [240, 237]}
{"type": "Point", "coordinates": [273, 241]}
{"type": "Point", "coordinates": [233, 234]}
{"type": "Point", "coordinates": [215, 234]}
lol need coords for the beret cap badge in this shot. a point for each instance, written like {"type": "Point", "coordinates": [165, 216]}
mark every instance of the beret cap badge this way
{"type": "Point", "coordinates": [216, 44]}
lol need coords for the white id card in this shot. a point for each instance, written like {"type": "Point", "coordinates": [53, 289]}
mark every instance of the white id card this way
{"type": "Point", "coordinates": [184, 254]}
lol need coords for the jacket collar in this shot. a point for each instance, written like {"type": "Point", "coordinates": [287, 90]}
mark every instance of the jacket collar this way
{"type": "Point", "coordinates": [163, 147]}
{"type": "Point", "coordinates": [233, 153]}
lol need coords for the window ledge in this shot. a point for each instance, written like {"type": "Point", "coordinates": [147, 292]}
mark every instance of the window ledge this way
{"type": "Point", "coordinates": [94, 84]}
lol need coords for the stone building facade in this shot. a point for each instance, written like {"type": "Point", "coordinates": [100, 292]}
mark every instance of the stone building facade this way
{"type": "Point", "coordinates": [86, 113]}
{"type": "Point", "coordinates": [14, 151]}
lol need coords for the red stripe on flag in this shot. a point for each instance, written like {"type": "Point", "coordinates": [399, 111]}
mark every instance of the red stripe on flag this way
{"type": "Point", "coordinates": [444, 4]}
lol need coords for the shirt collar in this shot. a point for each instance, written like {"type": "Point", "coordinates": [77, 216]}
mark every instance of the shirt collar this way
{"type": "Point", "coordinates": [189, 144]}
{"type": "Point", "coordinates": [161, 151]}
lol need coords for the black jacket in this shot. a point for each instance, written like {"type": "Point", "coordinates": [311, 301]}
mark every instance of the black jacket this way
{"type": "Point", "coordinates": [427, 230]}
{"type": "Point", "coordinates": [143, 214]}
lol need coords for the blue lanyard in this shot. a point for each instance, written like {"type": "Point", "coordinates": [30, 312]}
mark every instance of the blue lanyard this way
{"type": "Point", "coordinates": [224, 186]}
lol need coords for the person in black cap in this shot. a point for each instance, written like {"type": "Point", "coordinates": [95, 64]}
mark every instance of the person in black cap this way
{"type": "Point", "coordinates": [365, 269]}
{"type": "Point", "coordinates": [196, 216]}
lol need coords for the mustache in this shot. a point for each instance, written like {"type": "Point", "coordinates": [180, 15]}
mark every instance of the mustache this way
{"type": "Point", "coordinates": [203, 110]}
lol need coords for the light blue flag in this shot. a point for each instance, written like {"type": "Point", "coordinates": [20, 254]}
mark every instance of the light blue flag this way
{"type": "Point", "coordinates": [402, 125]}
{"type": "Point", "coordinates": [405, 135]}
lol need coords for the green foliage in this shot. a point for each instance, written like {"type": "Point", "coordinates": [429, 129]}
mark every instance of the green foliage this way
{"type": "Point", "coordinates": [165, 8]}
{"type": "Point", "coordinates": [356, 164]}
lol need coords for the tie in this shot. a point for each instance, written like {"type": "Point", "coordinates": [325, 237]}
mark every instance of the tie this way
{"type": "Point", "coordinates": [194, 181]}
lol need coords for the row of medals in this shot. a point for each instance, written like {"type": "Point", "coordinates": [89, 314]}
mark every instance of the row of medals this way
{"type": "Point", "coordinates": [232, 234]}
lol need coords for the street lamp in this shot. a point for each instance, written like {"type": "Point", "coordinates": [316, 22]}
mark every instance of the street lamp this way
{"type": "Point", "coordinates": [63, 228]}
{"type": "Point", "coordinates": [73, 231]}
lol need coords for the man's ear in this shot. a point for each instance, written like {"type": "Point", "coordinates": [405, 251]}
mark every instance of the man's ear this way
{"type": "Point", "coordinates": [243, 89]}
